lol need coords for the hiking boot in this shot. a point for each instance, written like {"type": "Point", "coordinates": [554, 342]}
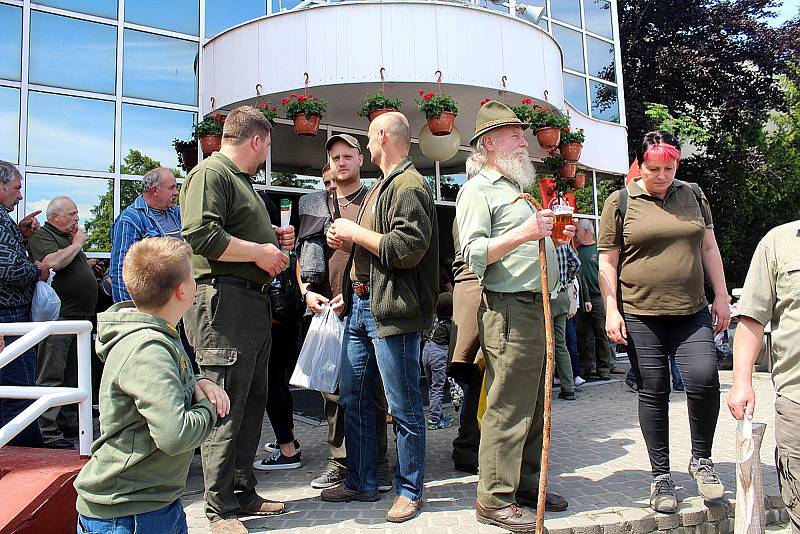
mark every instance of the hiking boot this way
{"type": "Point", "coordinates": [342, 493]}
{"type": "Point", "coordinates": [631, 385]}
{"type": "Point", "coordinates": [273, 446]}
{"type": "Point", "coordinates": [262, 506]}
{"type": "Point", "coordinates": [552, 501]}
{"type": "Point", "coordinates": [662, 495]}
{"type": "Point", "coordinates": [512, 517]}
{"type": "Point", "coordinates": [228, 526]}
{"type": "Point", "coordinates": [332, 475]}
{"type": "Point", "coordinates": [278, 461]}
{"type": "Point", "coordinates": [385, 482]}
{"type": "Point", "coordinates": [59, 443]}
{"type": "Point", "coordinates": [445, 421]}
{"type": "Point", "coordinates": [566, 395]}
{"type": "Point", "coordinates": [709, 486]}
{"type": "Point", "coordinates": [403, 509]}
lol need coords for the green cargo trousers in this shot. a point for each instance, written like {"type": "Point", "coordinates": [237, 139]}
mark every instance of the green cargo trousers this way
{"type": "Point", "coordinates": [511, 328]}
{"type": "Point", "coordinates": [230, 330]}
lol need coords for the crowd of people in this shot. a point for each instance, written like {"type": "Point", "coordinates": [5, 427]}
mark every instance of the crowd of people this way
{"type": "Point", "coordinates": [209, 308]}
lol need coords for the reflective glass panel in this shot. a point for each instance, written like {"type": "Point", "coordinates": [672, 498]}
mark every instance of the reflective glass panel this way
{"type": "Point", "coordinates": [598, 17]}
{"type": "Point", "coordinates": [571, 43]}
{"type": "Point", "coordinates": [567, 10]}
{"type": "Point", "coordinates": [9, 118]}
{"type": "Point", "coordinates": [223, 14]}
{"type": "Point", "coordinates": [101, 8]}
{"type": "Point", "coordinates": [601, 59]}
{"type": "Point", "coordinates": [176, 15]}
{"type": "Point", "coordinates": [70, 132]}
{"type": "Point", "coordinates": [128, 191]}
{"type": "Point", "coordinates": [450, 184]}
{"type": "Point", "coordinates": [604, 102]}
{"type": "Point", "coordinates": [10, 42]}
{"type": "Point", "coordinates": [283, 5]}
{"type": "Point", "coordinates": [72, 53]}
{"type": "Point", "coordinates": [147, 135]}
{"type": "Point", "coordinates": [93, 196]}
{"type": "Point", "coordinates": [159, 68]}
{"type": "Point", "coordinates": [575, 92]}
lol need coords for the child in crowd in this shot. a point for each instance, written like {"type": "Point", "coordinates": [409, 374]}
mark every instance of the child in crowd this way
{"type": "Point", "coordinates": [153, 411]}
{"type": "Point", "coordinates": [434, 359]}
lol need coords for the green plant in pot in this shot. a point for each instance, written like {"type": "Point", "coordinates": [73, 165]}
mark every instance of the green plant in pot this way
{"type": "Point", "coordinates": [377, 104]}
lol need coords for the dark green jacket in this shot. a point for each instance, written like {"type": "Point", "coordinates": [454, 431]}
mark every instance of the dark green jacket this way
{"type": "Point", "coordinates": [404, 277]}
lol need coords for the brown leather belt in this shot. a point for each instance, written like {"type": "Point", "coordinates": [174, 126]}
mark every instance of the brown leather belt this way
{"type": "Point", "coordinates": [361, 289]}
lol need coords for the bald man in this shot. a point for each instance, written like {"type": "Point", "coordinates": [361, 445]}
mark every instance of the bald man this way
{"type": "Point", "coordinates": [389, 291]}
{"type": "Point", "coordinates": [59, 243]}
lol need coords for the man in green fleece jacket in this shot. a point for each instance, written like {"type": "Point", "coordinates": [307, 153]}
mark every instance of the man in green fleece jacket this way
{"type": "Point", "coordinates": [390, 287]}
{"type": "Point", "coordinates": [153, 411]}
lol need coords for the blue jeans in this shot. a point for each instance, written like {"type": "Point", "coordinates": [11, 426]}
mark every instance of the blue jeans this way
{"type": "Point", "coordinates": [168, 520]}
{"type": "Point", "coordinates": [19, 372]}
{"type": "Point", "coordinates": [396, 358]}
{"type": "Point", "coordinates": [572, 345]}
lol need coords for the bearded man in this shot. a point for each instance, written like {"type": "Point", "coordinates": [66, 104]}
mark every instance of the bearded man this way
{"type": "Point", "coordinates": [499, 242]}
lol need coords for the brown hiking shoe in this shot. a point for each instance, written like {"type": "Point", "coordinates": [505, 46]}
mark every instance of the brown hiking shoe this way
{"type": "Point", "coordinates": [552, 501]}
{"type": "Point", "coordinates": [262, 506]}
{"type": "Point", "coordinates": [342, 493]}
{"type": "Point", "coordinates": [403, 509]}
{"type": "Point", "coordinates": [512, 517]}
{"type": "Point", "coordinates": [228, 526]}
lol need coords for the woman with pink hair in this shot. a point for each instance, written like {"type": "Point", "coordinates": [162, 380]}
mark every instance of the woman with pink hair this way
{"type": "Point", "coordinates": [657, 247]}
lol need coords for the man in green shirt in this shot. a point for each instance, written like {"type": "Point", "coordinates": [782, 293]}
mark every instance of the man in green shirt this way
{"type": "Point", "coordinates": [236, 255]}
{"type": "Point", "coordinates": [771, 294]}
{"type": "Point", "coordinates": [58, 243]}
{"type": "Point", "coordinates": [499, 242]}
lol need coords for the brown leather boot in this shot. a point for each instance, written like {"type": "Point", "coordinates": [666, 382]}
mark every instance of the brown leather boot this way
{"type": "Point", "coordinates": [403, 509]}
{"type": "Point", "coordinates": [552, 501]}
{"type": "Point", "coordinates": [262, 506]}
{"type": "Point", "coordinates": [512, 517]}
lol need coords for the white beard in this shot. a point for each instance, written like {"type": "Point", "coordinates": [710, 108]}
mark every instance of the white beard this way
{"type": "Point", "coordinates": [517, 167]}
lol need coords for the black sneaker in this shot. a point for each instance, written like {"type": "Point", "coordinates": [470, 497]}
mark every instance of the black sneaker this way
{"type": "Point", "coordinates": [566, 395]}
{"type": "Point", "coordinates": [385, 482]}
{"type": "Point", "coordinates": [273, 446]}
{"type": "Point", "coordinates": [333, 474]}
{"type": "Point", "coordinates": [59, 443]}
{"type": "Point", "coordinates": [278, 461]}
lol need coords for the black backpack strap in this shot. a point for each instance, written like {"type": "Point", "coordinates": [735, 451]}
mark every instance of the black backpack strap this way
{"type": "Point", "coordinates": [622, 204]}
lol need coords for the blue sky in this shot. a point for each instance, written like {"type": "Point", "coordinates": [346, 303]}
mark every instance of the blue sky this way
{"type": "Point", "coordinates": [787, 11]}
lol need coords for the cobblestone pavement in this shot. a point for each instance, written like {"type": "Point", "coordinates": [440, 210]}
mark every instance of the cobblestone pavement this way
{"type": "Point", "coordinates": [598, 461]}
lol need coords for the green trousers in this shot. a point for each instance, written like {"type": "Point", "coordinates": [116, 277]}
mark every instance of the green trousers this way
{"type": "Point", "coordinates": [511, 328]}
{"type": "Point", "coordinates": [230, 330]}
{"type": "Point", "coordinates": [560, 310]}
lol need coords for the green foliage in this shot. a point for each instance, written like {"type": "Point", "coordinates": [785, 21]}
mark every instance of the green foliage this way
{"type": "Point", "coordinates": [309, 104]}
{"type": "Point", "coordinates": [681, 125]}
{"type": "Point", "coordinates": [584, 198]}
{"type": "Point", "coordinates": [378, 101]}
{"type": "Point", "coordinates": [288, 179]}
{"type": "Point", "coordinates": [211, 125]}
{"type": "Point", "coordinates": [539, 117]}
{"type": "Point", "coordinates": [432, 104]}
{"type": "Point", "coordinates": [269, 111]}
{"type": "Point", "coordinates": [571, 137]}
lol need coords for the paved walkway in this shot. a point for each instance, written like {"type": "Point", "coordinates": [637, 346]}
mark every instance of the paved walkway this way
{"type": "Point", "coordinates": [598, 461]}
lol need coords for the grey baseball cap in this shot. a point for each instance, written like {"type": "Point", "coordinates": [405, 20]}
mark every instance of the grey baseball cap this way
{"type": "Point", "coordinates": [347, 138]}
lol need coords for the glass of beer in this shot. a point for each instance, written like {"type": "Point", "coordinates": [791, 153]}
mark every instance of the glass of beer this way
{"type": "Point", "coordinates": [563, 217]}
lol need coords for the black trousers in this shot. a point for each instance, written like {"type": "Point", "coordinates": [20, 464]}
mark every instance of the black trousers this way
{"type": "Point", "coordinates": [282, 359]}
{"type": "Point", "coordinates": [690, 340]}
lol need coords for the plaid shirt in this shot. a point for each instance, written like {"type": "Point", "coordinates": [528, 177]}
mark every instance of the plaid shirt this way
{"type": "Point", "coordinates": [568, 264]}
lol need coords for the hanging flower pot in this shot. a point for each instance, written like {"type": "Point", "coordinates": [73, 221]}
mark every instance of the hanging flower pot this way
{"type": "Point", "coordinates": [548, 138]}
{"type": "Point", "coordinates": [209, 132]}
{"type": "Point", "coordinates": [579, 182]}
{"type": "Point", "coordinates": [187, 153]}
{"type": "Point", "coordinates": [443, 124]}
{"type": "Point", "coordinates": [571, 152]}
{"type": "Point", "coordinates": [568, 170]}
{"type": "Point", "coordinates": [377, 104]}
{"type": "Point", "coordinates": [440, 110]}
{"type": "Point", "coordinates": [306, 125]}
{"type": "Point", "coordinates": [306, 111]}
{"type": "Point", "coordinates": [210, 143]}
{"type": "Point", "coordinates": [571, 143]}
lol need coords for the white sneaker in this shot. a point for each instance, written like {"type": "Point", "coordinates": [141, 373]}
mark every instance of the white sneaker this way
{"type": "Point", "coordinates": [579, 381]}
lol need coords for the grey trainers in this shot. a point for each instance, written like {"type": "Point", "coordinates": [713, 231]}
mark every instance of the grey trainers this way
{"type": "Point", "coordinates": [709, 486]}
{"type": "Point", "coordinates": [662, 495]}
{"type": "Point", "coordinates": [333, 474]}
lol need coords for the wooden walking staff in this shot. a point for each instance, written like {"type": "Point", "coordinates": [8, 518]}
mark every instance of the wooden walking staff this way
{"type": "Point", "coordinates": [550, 345]}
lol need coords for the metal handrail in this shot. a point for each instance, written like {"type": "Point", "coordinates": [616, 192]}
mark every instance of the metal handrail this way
{"type": "Point", "coordinates": [49, 397]}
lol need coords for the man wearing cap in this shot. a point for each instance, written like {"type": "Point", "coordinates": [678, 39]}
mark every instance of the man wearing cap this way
{"type": "Point", "coordinates": [389, 290]}
{"type": "Point", "coordinates": [499, 242]}
{"type": "Point", "coordinates": [321, 271]}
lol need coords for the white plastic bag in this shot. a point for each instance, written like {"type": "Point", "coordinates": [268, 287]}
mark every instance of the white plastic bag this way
{"type": "Point", "coordinates": [749, 518]}
{"type": "Point", "coordinates": [319, 361]}
{"type": "Point", "coordinates": [46, 306]}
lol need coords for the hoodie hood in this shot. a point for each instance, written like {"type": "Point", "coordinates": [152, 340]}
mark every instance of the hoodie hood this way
{"type": "Point", "coordinates": [122, 319]}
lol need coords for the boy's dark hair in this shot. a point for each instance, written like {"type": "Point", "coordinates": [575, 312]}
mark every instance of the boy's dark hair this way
{"type": "Point", "coordinates": [444, 305]}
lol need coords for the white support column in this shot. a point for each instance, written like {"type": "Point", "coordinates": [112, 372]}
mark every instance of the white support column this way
{"type": "Point", "coordinates": [23, 99]}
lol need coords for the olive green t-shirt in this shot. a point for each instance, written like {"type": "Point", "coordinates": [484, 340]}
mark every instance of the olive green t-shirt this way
{"type": "Point", "coordinates": [74, 284]}
{"type": "Point", "coordinates": [218, 202]}
{"type": "Point", "coordinates": [661, 263]}
{"type": "Point", "coordinates": [362, 258]}
{"type": "Point", "coordinates": [771, 294]}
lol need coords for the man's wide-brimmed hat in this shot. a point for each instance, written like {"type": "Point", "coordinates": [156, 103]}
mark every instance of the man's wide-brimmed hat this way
{"type": "Point", "coordinates": [494, 114]}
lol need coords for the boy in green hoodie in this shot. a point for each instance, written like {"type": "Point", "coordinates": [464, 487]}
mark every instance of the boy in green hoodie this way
{"type": "Point", "coordinates": [153, 411]}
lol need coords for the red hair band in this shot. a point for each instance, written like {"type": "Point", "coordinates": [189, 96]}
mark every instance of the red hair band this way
{"type": "Point", "coordinates": [662, 152]}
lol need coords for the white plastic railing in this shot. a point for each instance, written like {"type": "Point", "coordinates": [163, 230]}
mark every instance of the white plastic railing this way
{"type": "Point", "coordinates": [48, 397]}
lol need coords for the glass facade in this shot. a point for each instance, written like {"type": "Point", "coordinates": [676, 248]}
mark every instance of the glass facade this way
{"type": "Point", "coordinates": [101, 92]}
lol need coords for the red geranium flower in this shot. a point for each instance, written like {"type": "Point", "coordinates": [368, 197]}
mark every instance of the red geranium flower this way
{"type": "Point", "coordinates": [485, 100]}
{"type": "Point", "coordinates": [421, 92]}
{"type": "Point", "coordinates": [566, 130]}
{"type": "Point", "coordinates": [311, 95]}
{"type": "Point", "coordinates": [274, 108]}
{"type": "Point", "coordinates": [552, 152]}
{"type": "Point", "coordinates": [285, 101]}
{"type": "Point", "coordinates": [301, 98]}
{"type": "Point", "coordinates": [527, 101]}
{"type": "Point", "coordinates": [293, 95]}
{"type": "Point", "coordinates": [428, 96]}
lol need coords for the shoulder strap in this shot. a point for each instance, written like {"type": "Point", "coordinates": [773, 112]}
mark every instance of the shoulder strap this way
{"type": "Point", "coordinates": [622, 205]}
